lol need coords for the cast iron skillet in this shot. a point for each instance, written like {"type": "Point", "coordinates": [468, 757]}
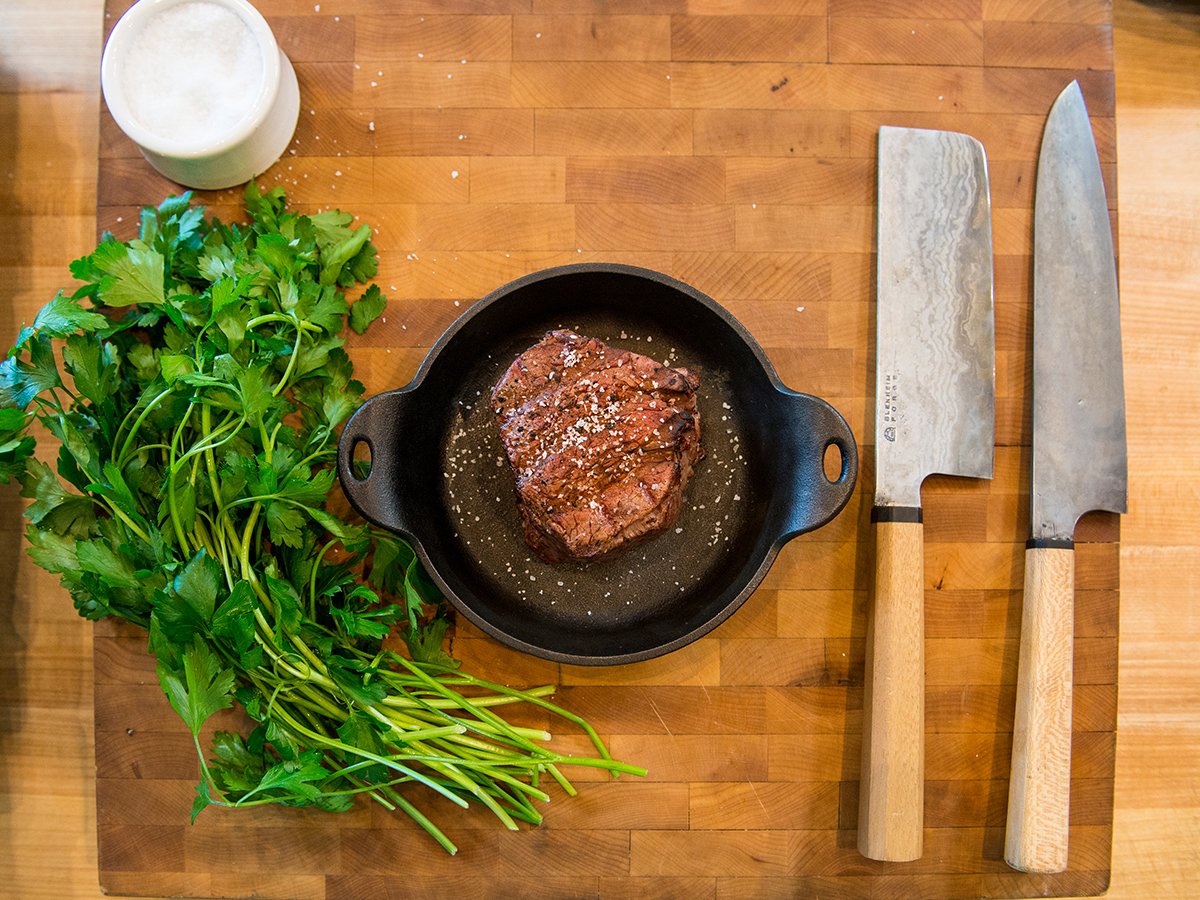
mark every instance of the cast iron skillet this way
{"type": "Point", "coordinates": [438, 474]}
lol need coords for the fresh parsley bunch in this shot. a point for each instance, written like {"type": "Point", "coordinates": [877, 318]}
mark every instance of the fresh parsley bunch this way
{"type": "Point", "coordinates": [196, 406]}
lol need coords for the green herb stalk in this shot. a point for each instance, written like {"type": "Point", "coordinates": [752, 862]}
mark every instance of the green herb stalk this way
{"type": "Point", "coordinates": [196, 406]}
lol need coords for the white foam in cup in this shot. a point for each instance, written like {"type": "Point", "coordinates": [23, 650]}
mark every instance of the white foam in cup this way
{"type": "Point", "coordinates": [202, 88]}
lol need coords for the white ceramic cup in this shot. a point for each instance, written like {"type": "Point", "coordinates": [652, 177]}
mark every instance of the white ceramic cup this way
{"type": "Point", "coordinates": [191, 121]}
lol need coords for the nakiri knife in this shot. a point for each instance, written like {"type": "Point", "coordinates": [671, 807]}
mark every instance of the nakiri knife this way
{"type": "Point", "coordinates": [934, 413]}
{"type": "Point", "coordinates": [1079, 465]}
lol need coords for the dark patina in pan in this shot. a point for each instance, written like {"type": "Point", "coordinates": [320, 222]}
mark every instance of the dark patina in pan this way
{"type": "Point", "coordinates": [438, 474]}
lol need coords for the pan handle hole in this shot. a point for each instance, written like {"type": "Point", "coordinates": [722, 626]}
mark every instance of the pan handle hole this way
{"type": "Point", "coordinates": [834, 463]}
{"type": "Point", "coordinates": [360, 459]}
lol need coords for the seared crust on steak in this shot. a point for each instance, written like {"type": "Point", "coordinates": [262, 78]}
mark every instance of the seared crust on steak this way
{"type": "Point", "coordinates": [601, 442]}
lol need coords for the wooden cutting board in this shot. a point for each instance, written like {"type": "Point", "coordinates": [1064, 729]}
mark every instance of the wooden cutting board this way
{"type": "Point", "coordinates": [730, 145]}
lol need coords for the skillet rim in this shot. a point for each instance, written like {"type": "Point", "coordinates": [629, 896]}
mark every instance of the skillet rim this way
{"type": "Point", "coordinates": [615, 268]}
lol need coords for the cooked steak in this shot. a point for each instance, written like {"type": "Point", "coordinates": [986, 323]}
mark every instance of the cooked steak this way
{"type": "Point", "coordinates": [601, 442]}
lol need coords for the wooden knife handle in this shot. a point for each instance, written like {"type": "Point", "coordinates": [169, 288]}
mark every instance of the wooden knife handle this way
{"type": "Point", "coordinates": [1039, 790]}
{"type": "Point", "coordinates": [891, 791]}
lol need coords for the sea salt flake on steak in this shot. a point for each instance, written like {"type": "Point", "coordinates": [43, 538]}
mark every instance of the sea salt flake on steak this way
{"type": "Point", "coordinates": [601, 442]}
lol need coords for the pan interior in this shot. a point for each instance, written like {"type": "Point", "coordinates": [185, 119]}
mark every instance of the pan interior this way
{"type": "Point", "coordinates": [663, 590]}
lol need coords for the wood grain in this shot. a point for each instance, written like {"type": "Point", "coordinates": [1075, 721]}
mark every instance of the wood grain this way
{"type": "Point", "coordinates": [892, 778]}
{"type": "Point", "coordinates": [1039, 802]}
{"type": "Point", "coordinates": [788, 667]}
{"type": "Point", "coordinates": [661, 139]}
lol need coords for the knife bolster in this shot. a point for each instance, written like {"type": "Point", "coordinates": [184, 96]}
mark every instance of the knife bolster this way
{"type": "Point", "coordinates": [1035, 543]}
{"type": "Point", "coordinates": [896, 514]}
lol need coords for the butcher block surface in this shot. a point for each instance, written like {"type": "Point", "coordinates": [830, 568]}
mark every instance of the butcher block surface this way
{"type": "Point", "coordinates": [730, 145]}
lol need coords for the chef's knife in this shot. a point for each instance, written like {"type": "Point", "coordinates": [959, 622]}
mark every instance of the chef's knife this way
{"type": "Point", "coordinates": [934, 412]}
{"type": "Point", "coordinates": [1078, 465]}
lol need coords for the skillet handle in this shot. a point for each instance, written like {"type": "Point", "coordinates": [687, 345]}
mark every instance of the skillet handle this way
{"type": "Point", "coordinates": [812, 426]}
{"type": "Point", "coordinates": [382, 495]}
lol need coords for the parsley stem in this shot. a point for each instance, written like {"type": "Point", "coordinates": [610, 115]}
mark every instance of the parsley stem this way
{"type": "Point", "coordinates": [312, 580]}
{"type": "Point", "coordinates": [317, 724]}
{"type": "Point", "coordinates": [537, 701]}
{"type": "Point", "coordinates": [210, 460]}
{"type": "Point", "coordinates": [482, 713]}
{"type": "Point", "coordinates": [120, 458]}
{"type": "Point", "coordinates": [309, 696]}
{"type": "Point", "coordinates": [306, 652]}
{"type": "Point", "coordinates": [426, 734]}
{"type": "Point", "coordinates": [322, 452]}
{"type": "Point", "coordinates": [439, 703]}
{"type": "Point", "coordinates": [204, 770]}
{"type": "Point", "coordinates": [66, 390]}
{"type": "Point", "coordinates": [201, 536]}
{"type": "Point", "coordinates": [299, 324]}
{"type": "Point", "coordinates": [448, 767]}
{"type": "Point", "coordinates": [417, 816]}
{"type": "Point", "coordinates": [213, 539]}
{"type": "Point", "coordinates": [116, 510]}
{"type": "Point", "coordinates": [497, 734]}
{"type": "Point", "coordinates": [390, 762]}
{"type": "Point", "coordinates": [233, 424]}
{"type": "Point", "coordinates": [247, 538]}
{"type": "Point", "coordinates": [185, 546]}
{"type": "Point", "coordinates": [295, 354]}
{"type": "Point", "coordinates": [280, 659]}
{"type": "Point", "coordinates": [403, 729]}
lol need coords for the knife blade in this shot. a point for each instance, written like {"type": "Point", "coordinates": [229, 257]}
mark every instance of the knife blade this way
{"type": "Point", "coordinates": [934, 413]}
{"type": "Point", "coordinates": [1079, 465]}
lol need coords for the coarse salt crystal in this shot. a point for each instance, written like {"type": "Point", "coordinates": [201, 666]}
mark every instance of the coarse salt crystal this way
{"type": "Point", "coordinates": [217, 73]}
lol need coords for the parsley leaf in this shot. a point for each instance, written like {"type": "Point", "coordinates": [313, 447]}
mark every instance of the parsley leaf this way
{"type": "Point", "coordinates": [101, 559]}
{"type": "Point", "coordinates": [203, 799]}
{"type": "Point", "coordinates": [22, 379]}
{"type": "Point", "coordinates": [299, 776]}
{"type": "Point", "coordinates": [16, 447]}
{"type": "Point", "coordinates": [186, 606]}
{"type": "Point", "coordinates": [367, 308]}
{"type": "Point", "coordinates": [59, 318]}
{"type": "Point", "coordinates": [53, 552]}
{"type": "Point", "coordinates": [234, 621]}
{"type": "Point", "coordinates": [201, 689]}
{"type": "Point", "coordinates": [54, 508]}
{"type": "Point", "coordinates": [130, 274]}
